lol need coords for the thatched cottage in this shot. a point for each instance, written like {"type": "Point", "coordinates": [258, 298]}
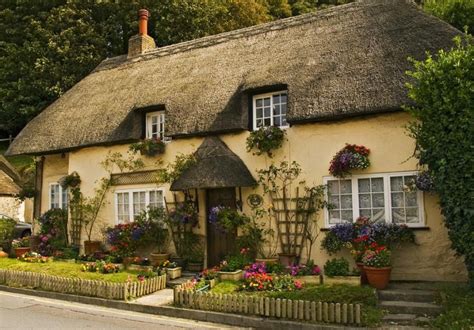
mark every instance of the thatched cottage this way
{"type": "Point", "coordinates": [332, 77]}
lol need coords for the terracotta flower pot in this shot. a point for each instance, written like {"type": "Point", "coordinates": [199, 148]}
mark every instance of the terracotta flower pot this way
{"type": "Point", "coordinates": [378, 277]}
{"type": "Point", "coordinates": [267, 261]}
{"type": "Point", "coordinates": [363, 275]}
{"type": "Point", "coordinates": [287, 259]}
{"type": "Point", "coordinates": [90, 247]}
{"type": "Point", "coordinates": [158, 258]}
{"type": "Point", "coordinates": [21, 251]}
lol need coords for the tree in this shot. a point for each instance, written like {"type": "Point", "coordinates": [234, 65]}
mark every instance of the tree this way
{"type": "Point", "coordinates": [458, 13]}
{"type": "Point", "coordinates": [443, 90]}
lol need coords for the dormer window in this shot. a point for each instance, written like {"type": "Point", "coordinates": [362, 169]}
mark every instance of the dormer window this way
{"type": "Point", "coordinates": [155, 125]}
{"type": "Point", "coordinates": [270, 110]}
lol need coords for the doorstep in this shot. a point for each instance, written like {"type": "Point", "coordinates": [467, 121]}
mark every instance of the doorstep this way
{"type": "Point", "coordinates": [191, 314]}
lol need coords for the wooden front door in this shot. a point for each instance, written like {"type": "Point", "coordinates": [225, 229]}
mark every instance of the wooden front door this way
{"type": "Point", "coordinates": [219, 244]}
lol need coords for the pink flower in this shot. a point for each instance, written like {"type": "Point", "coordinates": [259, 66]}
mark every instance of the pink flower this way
{"type": "Point", "coordinates": [298, 284]}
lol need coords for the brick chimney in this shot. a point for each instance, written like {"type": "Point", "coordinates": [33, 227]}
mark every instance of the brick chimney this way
{"type": "Point", "coordinates": [142, 42]}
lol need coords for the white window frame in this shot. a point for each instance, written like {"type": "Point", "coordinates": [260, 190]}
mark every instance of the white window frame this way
{"type": "Point", "coordinates": [130, 200]}
{"type": "Point", "coordinates": [161, 122]}
{"type": "Point", "coordinates": [387, 196]}
{"type": "Point", "coordinates": [60, 200]}
{"type": "Point", "coordinates": [254, 108]}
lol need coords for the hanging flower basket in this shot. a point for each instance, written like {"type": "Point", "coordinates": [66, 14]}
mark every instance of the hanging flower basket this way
{"type": "Point", "coordinates": [226, 219]}
{"type": "Point", "coordinates": [265, 140]}
{"type": "Point", "coordinates": [351, 157]}
{"type": "Point", "coordinates": [149, 147]}
{"type": "Point", "coordinates": [424, 181]}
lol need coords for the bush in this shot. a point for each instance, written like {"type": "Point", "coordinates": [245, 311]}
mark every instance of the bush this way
{"type": "Point", "coordinates": [7, 227]}
{"type": "Point", "coordinates": [53, 233]}
{"type": "Point", "coordinates": [336, 267]}
{"type": "Point", "coordinates": [444, 132]}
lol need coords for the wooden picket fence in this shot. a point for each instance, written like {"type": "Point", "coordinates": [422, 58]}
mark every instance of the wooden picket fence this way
{"type": "Point", "coordinates": [92, 288]}
{"type": "Point", "coordinates": [288, 309]}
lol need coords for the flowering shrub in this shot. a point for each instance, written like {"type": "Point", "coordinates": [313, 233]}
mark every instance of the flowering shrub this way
{"type": "Point", "coordinates": [226, 219]}
{"type": "Point", "coordinates": [126, 238]}
{"type": "Point", "coordinates": [256, 278]}
{"type": "Point", "coordinates": [34, 257]}
{"type": "Point", "coordinates": [184, 213]}
{"type": "Point", "coordinates": [21, 242]}
{"type": "Point", "coordinates": [209, 273]}
{"type": "Point", "coordinates": [100, 267]}
{"type": "Point", "coordinates": [257, 282]}
{"type": "Point", "coordinates": [358, 236]}
{"type": "Point", "coordinates": [53, 233]}
{"type": "Point", "coordinates": [377, 256]}
{"type": "Point", "coordinates": [301, 270]}
{"type": "Point", "coordinates": [236, 262]}
{"type": "Point", "coordinates": [265, 139]}
{"type": "Point", "coordinates": [349, 158]}
{"type": "Point", "coordinates": [286, 283]}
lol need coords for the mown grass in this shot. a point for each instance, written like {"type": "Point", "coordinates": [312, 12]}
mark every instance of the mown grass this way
{"type": "Point", "coordinates": [458, 301]}
{"type": "Point", "coordinates": [366, 296]}
{"type": "Point", "coordinates": [65, 269]}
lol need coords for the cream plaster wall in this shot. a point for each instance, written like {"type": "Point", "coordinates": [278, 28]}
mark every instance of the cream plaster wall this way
{"type": "Point", "coordinates": [312, 146]}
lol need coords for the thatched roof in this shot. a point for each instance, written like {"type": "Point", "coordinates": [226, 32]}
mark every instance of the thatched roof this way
{"type": "Point", "coordinates": [344, 61]}
{"type": "Point", "coordinates": [216, 167]}
{"type": "Point", "coordinates": [9, 178]}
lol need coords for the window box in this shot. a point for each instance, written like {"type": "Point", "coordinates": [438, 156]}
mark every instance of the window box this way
{"type": "Point", "coordinates": [350, 280]}
{"type": "Point", "coordinates": [231, 276]}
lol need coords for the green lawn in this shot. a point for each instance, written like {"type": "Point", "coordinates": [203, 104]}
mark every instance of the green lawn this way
{"type": "Point", "coordinates": [366, 296]}
{"type": "Point", "coordinates": [458, 301]}
{"type": "Point", "coordinates": [65, 269]}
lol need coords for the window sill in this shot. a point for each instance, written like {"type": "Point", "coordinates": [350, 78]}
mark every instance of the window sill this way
{"type": "Point", "coordinates": [412, 228]}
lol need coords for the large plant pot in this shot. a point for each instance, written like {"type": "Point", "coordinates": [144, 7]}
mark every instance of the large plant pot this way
{"type": "Point", "coordinates": [90, 247]}
{"type": "Point", "coordinates": [231, 276]}
{"type": "Point", "coordinates": [363, 275]}
{"type": "Point", "coordinates": [173, 272]}
{"type": "Point", "coordinates": [157, 259]}
{"type": "Point", "coordinates": [287, 259]}
{"type": "Point", "coordinates": [378, 277]}
{"type": "Point", "coordinates": [195, 266]}
{"type": "Point", "coordinates": [180, 262]}
{"type": "Point", "coordinates": [267, 261]}
{"type": "Point", "coordinates": [21, 251]}
{"type": "Point", "coordinates": [34, 242]}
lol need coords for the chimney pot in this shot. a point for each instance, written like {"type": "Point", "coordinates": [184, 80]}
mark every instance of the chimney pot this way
{"type": "Point", "coordinates": [142, 42]}
{"type": "Point", "coordinates": [143, 16]}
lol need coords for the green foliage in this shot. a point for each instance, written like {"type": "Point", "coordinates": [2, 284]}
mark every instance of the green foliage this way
{"type": "Point", "coordinates": [53, 231]}
{"type": "Point", "coordinates": [365, 295]}
{"type": "Point", "coordinates": [173, 171]}
{"type": "Point", "coordinates": [225, 287]}
{"type": "Point", "coordinates": [442, 89]}
{"type": "Point", "coordinates": [458, 302]}
{"type": "Point", "coordinates": [7, 227]}
{"type": "Point", "coordinates": [235, 262]}
{"type": "Point", "coordinates": [336, 267]}
{"type": "Point", "coordinates": [149, 147]}
{"type": "Point", "coordinates": [458, 13]}
{"type": "Point", "coordinates": [265, 140]}
{"type": "Point", "coordinates": [65, 269]}
{"type": "Point", "coordinates": [258, 236]}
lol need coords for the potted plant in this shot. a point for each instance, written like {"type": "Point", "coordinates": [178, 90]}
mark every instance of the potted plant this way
{"type": "Point", "coordinates": [172, 270]}
{"type": "Point", "coordinates": [265, 140]}
{"type": "Point", "coordinates": [21, 246]}
{"type": "Point", "coordinates": [377, 265]}
{"type": "Point", "coordinates": [157, 234]}
{"type": "Point", "coordinates": [308, 273]}
{"type": "Point", "coordinates": [149, 147]}
{"type": "Point", "coordinates": [210, 275]}
{"type": "Point", "coordinates": [195, 260]}
{"type": "Point", "coordinates": [231, 269]}
{"type": "Point", "coordinates": [336, 271]}
{"type": "Point", "coordinates": [349, 158]}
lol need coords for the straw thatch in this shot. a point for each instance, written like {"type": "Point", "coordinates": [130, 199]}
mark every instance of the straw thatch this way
{"type": "Point", "coordinates": [344, 61]}
{"type": "Point", "coordinates": [216, 167]}
{"type": "Point", "coordinates": [129, 178]}
{"type": "Point", "coordinates": [9, 178]}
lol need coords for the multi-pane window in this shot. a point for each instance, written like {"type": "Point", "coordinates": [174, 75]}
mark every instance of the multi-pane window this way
{"type": "Point", "coordinates": [270, 110]}
{"type": "Point", "coordinates": [155, 125]}
{"type": "Point", "coordinates": [389, 198]}
{"type": "Point", "coordinates": [58, 197]}
{"type": "Point", "coordinates": [130, 203]}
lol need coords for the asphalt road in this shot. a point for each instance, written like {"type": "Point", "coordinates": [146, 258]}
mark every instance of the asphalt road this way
{"type": "Point", "coordinates": [26, 312]}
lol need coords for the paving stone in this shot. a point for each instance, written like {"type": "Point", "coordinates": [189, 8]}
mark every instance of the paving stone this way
{"type": "Point", "coordinates": [409, 307]}
{"type": "Point", "coordinates": [407, 295]}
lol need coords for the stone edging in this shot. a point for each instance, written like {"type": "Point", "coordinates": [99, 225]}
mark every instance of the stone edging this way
{"type": "Point", "coordinates": [170, 311]}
